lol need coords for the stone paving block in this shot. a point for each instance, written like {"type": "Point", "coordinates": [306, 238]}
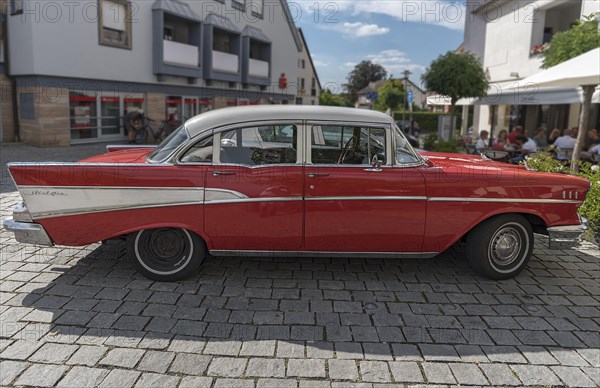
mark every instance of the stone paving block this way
{"type": "Point", "coordinates": [468, 374]}
{"type": "Point", "coordinates": [10, 370]}
{"type": "Point", "coordinates": [374, 371]}
{"type": "Point", "coordinates": [348, 350]}
{"type": "Point", "coordinates": [568, 357]}
{"type": "Point", "coordinates": [264, 348]}
{"type": "Point", "coordinates": [41, 375]}
{"type": "Point", "coordinates": [572, 376]}
{"type": "Point", "coordinates": [535, 375]}
{"type": "Point", "coordinates": [504, 354]}
{"type": "Point", "coordinates": [83, 377]}
{"type": "Point", "coordinates": [342, 370]}
{"type": "Point", "coordinates": [435, 352]}
{"type": "Point", "coordinates": [190, 364]}
{"type": "Point", "coordinates": [153, 380]}
{"type": "Point", "coordinates": [438, 373]}
{"type": "Point", "coordinates": [290, 349]}
{"type": "Point", "coordinates": [306, 368]}
{"type": "Point", "coordinates": [196, 382]}
{"type": "Point", "coordinates": [87, 355]}
{"type": "Point", "coordinates": [406, 372]}
{"type": "Point", "coordinates": [54, 353]}
{"type": "Point", "coordinates": [155, 361]}
{"type": "Point", "coordinates": [21, 350]}
{"type": "Point", "coordinates": [222, 347]}
{"type": "Point", "coordinates": [500, 375]}
{"type": "Point", "coordinates": [227, 367]}
{"type": "Point", "coordinates": [124, 358]}
{"type": "Point", "coordinates": [262, 367]}
{"type": "Point", "coordinates": [233, 383]}
{"type": "Point", "coordinates": [276, 383]}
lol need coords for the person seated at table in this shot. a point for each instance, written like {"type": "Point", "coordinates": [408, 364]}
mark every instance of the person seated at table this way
{"type": "Point", "coordinates": [540, 138]}
{"type": "Point", "coordinates": [555, 134]}
{"type": "Point", "coordinates": [512, 137]}
{"type": "Point", "coordinates": [501, 141]}
{"type": "Point", "coordinates": [482, 143]}
{"type": "Point", "coordinates": [592, 139]}
{"type": "Point", "coordinates": [525, 146]}
{"type": "Point", "coordinates": [566, 142]}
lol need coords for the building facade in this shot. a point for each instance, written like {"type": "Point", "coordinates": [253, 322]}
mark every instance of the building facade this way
{"type": "Point", "coordinates": [309, 86]}
{"type": "Point", "coordinates": [78, 67]}
{"type": "Point", "coordinates": [508, 37]}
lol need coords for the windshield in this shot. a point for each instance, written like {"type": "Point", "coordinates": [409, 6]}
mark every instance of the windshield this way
{"type": "Point", "coordinates": [405, 154]}
{"type": "Point", "coordinates": [164, 149]}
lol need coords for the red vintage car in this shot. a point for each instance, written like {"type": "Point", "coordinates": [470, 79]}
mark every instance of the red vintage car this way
{"type": "Point", "coordinates": [294, 181]}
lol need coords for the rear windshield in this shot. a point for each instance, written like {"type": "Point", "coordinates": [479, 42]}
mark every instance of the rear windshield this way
{"type": "Point", "coordinates": [170, 144]}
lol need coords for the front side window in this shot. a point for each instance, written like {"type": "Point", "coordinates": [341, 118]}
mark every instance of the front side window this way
{"type": "Point", "coordinates": [115, 23]}
{"type": "Point", "coordinates": [347, 145]}
{"type": "Point", "coordinates": [262, 145]}
{"type": "Point", "coordinates": [201, 152]}
{"type": "Point", "coordinates": [405, 154]}
{"type": "Point", "coordinates": [170, 144]}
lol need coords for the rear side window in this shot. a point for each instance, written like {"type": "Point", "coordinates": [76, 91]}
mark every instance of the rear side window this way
{"type": "Point", "coordinates": [347, 145]}
{"type": "Point", "coordinates": [262, 145]}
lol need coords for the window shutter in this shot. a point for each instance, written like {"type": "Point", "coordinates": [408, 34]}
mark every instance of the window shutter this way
{"type": "Point", "coordinates": [114, 15]}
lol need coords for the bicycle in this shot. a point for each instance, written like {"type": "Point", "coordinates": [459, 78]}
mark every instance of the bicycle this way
{"type": "Point", "coordinates": [147, 135]}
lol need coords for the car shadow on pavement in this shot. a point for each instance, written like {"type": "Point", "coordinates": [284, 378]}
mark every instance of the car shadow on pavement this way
{"type": "Point", "coordinates": [383, 309]}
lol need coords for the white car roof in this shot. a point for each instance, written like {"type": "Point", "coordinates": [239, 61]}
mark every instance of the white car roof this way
{"type": "Point", "coordinates": [228, 116]}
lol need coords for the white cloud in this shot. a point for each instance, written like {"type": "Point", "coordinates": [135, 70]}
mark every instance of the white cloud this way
{"type": "Point", "coordinates": [395, 62]}
{"type": "Point", "coordinates": [362, 29]}
{"type": "Point", "coordinates": [448, 14]}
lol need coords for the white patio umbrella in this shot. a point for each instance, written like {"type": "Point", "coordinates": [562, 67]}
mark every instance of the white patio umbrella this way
{"type": "Point", "coordinates": [584, 71]}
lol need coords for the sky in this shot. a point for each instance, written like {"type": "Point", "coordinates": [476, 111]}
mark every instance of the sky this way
{"type": "Point", "coordinates": [397, 34]}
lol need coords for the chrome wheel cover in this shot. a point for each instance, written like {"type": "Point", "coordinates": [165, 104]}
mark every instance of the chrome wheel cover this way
{"type": "Point", "coordinates": [508, 247]}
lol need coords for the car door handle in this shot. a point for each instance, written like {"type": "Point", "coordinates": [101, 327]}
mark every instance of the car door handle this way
{"type": "Point", "coordinates": [219, 173]}
{"type": "Point", "coordinates": [316, 174]}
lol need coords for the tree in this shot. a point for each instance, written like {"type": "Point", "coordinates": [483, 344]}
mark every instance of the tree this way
{"type": "Point", "coordinates": [580, 39]}
{"type": "Point", "coordinates": [329, 99]}
{"type": "Point", "coordinates": [390, 95]}
{"type": "Point", "coordinates": [456, 76]}
{"type": "Point", "coordinates": [363, 74]}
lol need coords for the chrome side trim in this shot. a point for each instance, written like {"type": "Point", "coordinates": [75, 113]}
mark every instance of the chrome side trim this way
{"type": "Point", "coordinates": [250, 200]}
{"type": "Point", "coordinates": [502, 200]}
{"type": "Point", "coordinates": [47, 201]}
{"type": "Point", "coordinates": [84, 164]}
{"type": "Point", "coordinates": [28, 232]}
{"type": "Point", "coordinates": [368, 198]}
{"type": "Point", "coordinates": [78, 212]}
{"type": "Point", "coordinates": [394, 255]}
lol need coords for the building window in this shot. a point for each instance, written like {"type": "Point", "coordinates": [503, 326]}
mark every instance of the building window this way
{"type": "Point", "coordinates": [27, 106]}
{"type": "Point", "coordinates": [239, 4]}
{"type": "Point", "coordinates": [301, 84]}
{"type": "Point", "coordinates": [256, 7]}
{"type": "Point", "coordinates": [16, 7]}
{"type": "Point", "coordinates": [115, 23]}
{"type": "Point", "coordinates": [303, 64]}
{"type": "Point", "coordinates": [83, 117]}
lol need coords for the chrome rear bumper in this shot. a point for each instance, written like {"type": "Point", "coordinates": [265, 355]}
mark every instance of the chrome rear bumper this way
{"type": "Point", "coordinates": [28, 232]}
{"type": "Point", "coordinates": [565, 237]}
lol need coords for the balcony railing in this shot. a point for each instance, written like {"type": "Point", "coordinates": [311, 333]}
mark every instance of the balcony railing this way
{"type": "Point", "coordinates": [225, 62]}
{"type": "Point", "coordinates": [258, 68]}
{"type": "Point", "coordinates": [180, 53]}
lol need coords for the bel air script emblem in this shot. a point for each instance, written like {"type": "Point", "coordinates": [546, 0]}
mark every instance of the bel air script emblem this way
{"type": "Point", "coordinates": [48, 193]}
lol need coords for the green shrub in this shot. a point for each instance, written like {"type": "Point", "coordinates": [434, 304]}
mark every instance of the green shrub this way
{"type": "Point", "coordinates": [545, 162]}
{"type": "Point", "coordinates": [433, 144]}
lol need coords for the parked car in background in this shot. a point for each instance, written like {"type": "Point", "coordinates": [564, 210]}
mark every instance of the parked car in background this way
{"type": "Point", "coordinates": [294, 181]}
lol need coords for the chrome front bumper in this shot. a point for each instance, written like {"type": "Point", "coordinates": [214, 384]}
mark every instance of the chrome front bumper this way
{"type": "Point", "coordinates": [565, 237]}
{"type": "Point", "coordinates": [28, 232]}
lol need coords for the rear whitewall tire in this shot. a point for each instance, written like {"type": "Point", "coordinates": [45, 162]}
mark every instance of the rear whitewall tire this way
{"type": "Point", "coordinates": [166, 254]}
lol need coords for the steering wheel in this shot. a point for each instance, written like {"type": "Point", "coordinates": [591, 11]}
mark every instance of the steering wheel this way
{"type": "Point", "coordinates": [346, 152]}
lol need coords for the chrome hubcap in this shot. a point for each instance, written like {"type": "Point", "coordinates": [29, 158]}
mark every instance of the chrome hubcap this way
{"type": "Point", "coordinates": [505, 246]}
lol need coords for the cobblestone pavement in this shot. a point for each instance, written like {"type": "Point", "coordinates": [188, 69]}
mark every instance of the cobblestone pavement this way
{"type": "Point", "coordinates": [82, 317]}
